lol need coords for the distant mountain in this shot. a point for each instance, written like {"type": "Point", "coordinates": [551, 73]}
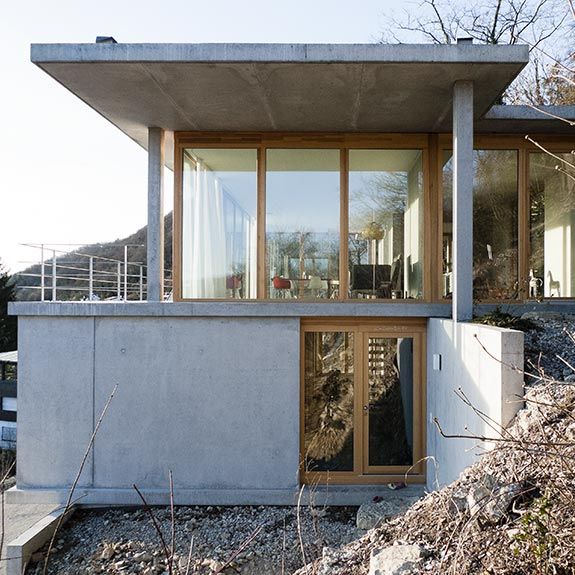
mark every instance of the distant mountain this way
{"type": "Point", "coordinates": [72, 269]}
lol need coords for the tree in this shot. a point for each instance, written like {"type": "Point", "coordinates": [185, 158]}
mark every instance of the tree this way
{"type": "Point", "coordinates": [542, 24]}
{"type": "Point", "coordinates": [8, 324]}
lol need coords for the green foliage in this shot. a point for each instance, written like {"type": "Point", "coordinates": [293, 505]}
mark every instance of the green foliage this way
{"type": "Point", "coordinates": [534, 536]}
{"type": "Point", "coordinates": [8, 324]}
{"type": "Point", "coordinates": [499, 318]}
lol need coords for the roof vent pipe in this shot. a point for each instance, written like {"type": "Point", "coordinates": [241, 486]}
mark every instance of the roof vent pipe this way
{"type": "Point", "coordinates": [105, 40]}
{"type": "Point", "coordinates": [465, 40]}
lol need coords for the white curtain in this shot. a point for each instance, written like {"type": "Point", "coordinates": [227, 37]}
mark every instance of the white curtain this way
{"type": "Point", "coordinates": [204, 238]}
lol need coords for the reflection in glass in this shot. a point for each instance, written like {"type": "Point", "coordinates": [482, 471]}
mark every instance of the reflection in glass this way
{"type": "Point", "coordinates": [495, 225]}
{"type": "Point", "coordinates": [302, 223]}
{"type": "Point", "coordinates": [552, 228]}
{"type": "Point", "coordinates": [328, 383]}
{"type": "Point", "coordinates": [219, 192]}
{"type": "Point", "coordinates": [390, 372]}
{"type": "Point", "coordinates": [385, 241]}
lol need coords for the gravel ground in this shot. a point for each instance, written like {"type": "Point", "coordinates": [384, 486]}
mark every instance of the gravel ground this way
{"type": "Point", "coordinates": [125, 541]}
{"type": "Point", "coordinates": [551, 349]}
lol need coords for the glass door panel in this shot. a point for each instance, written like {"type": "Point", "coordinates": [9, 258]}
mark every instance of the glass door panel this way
{"type": "Point", "coordinates": [362, 402]}
{"type": "Point", "coordinates": [329, 401]}
{"type": "Point", "coordinates": [389, 407]}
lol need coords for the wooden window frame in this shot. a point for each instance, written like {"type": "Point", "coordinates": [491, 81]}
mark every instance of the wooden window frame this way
{"type": "Point", "coordinates": [555, 146]}
{"type": "Point", "coordinates": [392, 327]}
{"type": "Point", "coordinates": [262, 141]}
{"type": "Point", "coordinates": [432, 146]}
{"type": "Point", "coordinates": [553, 143]}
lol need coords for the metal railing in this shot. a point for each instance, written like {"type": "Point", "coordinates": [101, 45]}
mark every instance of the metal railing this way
{"type": "Point", "coordinates": [64, 275]}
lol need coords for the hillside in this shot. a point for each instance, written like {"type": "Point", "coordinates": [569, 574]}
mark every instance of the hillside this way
{"type": "Point", "coordinates": [75, 263]}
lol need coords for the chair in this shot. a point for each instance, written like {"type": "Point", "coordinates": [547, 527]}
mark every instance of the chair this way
{"type": "Point", "coordinates": [317, 286]}
{"type": "Point", "coordinates": [282, 287]}
{"type": "Point", "coordinates": [371, 280]}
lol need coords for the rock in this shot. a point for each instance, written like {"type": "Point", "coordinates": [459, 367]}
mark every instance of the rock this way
{"type": "Point", "coordinates": [108, 552]}
{"type": "Point", "coordinates": [370, 515]}
{"type": "Point", "coordinates": [396, 560]}
{"type": "Point", "coordinates": [458, 501]}
{"type": "Point", "coordinates": [490, 501]}
{"type": "Point", "coordinates": [570, 378]}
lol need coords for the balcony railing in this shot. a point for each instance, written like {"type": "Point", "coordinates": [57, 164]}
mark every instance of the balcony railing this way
{"type": "Point", "coordinates": [76, 275]}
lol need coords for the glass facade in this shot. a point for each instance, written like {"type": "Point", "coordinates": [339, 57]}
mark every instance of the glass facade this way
{"type": "Point", "coordinates": [495, 225]}
{"type": "Point", "coordinates": [219, 197]}
{"type": "Point", "coordinates": [552, 227]}
{"type": "Point", "coordinates": [385, 243]}
{"type": "Point", "coordinates": [302, 223]}
{"type": "Point", "coordinates": [341, 223]}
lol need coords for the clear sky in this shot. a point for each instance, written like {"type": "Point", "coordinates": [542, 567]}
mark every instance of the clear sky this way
{"type": "Point", "coordinates": [68, 176]}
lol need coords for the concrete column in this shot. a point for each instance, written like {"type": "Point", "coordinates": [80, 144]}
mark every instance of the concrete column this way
{"type": "Point", "coordinates": [155, 273]}
{"type": "Point", "coordinates": [462, 200]}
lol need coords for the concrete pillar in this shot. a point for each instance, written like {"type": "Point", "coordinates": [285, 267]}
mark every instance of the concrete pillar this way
{"type": "Point", "coordinates": [155, 273]}
{"type": "Point", "coordinates": [462, 200]}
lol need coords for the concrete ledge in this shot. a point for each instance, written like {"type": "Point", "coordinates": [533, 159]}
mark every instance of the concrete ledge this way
{"type": "Point", "coordinates": [367, 308]}
{"type": "Point", "coordinates": [301, 53]}
{"type": "Point", "coordinates": [21, 549]}
{"type": "Point", "coordinates": [321, 495]}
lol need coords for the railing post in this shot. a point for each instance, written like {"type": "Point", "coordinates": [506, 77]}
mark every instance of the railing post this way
{"type": "Point", "coordinates": [119, 273]}
{"type": "Point", "coordinates": [42, 278]}
{"type": "Point", "coordinates": [91, 280]}
{"type": "Point", "coordinates": [141, 283]}
{"type": "Point", "coordinates": [53, 275]}
{"type": "Point", "coordinates": [125, 273]}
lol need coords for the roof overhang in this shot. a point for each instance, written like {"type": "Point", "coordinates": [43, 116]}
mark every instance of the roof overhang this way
{"type": "Point", "coordinates": [279, 87]}
{"type": "Point", "coordinates": [527, 120]}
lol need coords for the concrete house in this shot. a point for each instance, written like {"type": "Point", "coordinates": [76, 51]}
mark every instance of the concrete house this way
{"type": "Point", "coordinates": [341, 212]}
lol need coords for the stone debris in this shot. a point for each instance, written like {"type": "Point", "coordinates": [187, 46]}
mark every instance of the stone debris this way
{"type": "Point", "coordinates": [489, 500]}
{"type": "Point", "coordinates": [550, 348]}
{"type": "Point", "coordinates": [124, 541]}
{"type": "Point", "coordinates": [396, 560]}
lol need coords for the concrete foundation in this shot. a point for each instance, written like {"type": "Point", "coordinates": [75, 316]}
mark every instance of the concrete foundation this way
{"type": "Point", "coordinates": [214, 399]}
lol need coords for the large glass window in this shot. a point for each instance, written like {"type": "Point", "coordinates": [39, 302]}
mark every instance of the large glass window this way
{"type": "Point", "coordinates": [385, 244]}
{"type": "Point", "coordinates": [552, 228]}
{"type": "Point", "coordinates": [219, 198]}
{"type": "Point", "coordinates": [495, 224]}
{"type": "Point", "coordinates": [302, 223]}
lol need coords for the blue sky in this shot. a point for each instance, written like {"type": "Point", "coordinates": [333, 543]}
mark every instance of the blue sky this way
{"type": "Point", "coordinates": [70, 176]}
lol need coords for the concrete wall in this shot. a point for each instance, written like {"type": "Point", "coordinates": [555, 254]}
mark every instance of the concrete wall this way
{"type": "Point", "coordinates": [484, 377]}
{"type": "Point", "coordinates": [214, 400]}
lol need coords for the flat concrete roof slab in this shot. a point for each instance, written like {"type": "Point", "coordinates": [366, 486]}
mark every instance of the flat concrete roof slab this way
{"type": "Point", "coordinates": [528, 120]}
{"type": "Point", "coordinates": [279, 87]}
